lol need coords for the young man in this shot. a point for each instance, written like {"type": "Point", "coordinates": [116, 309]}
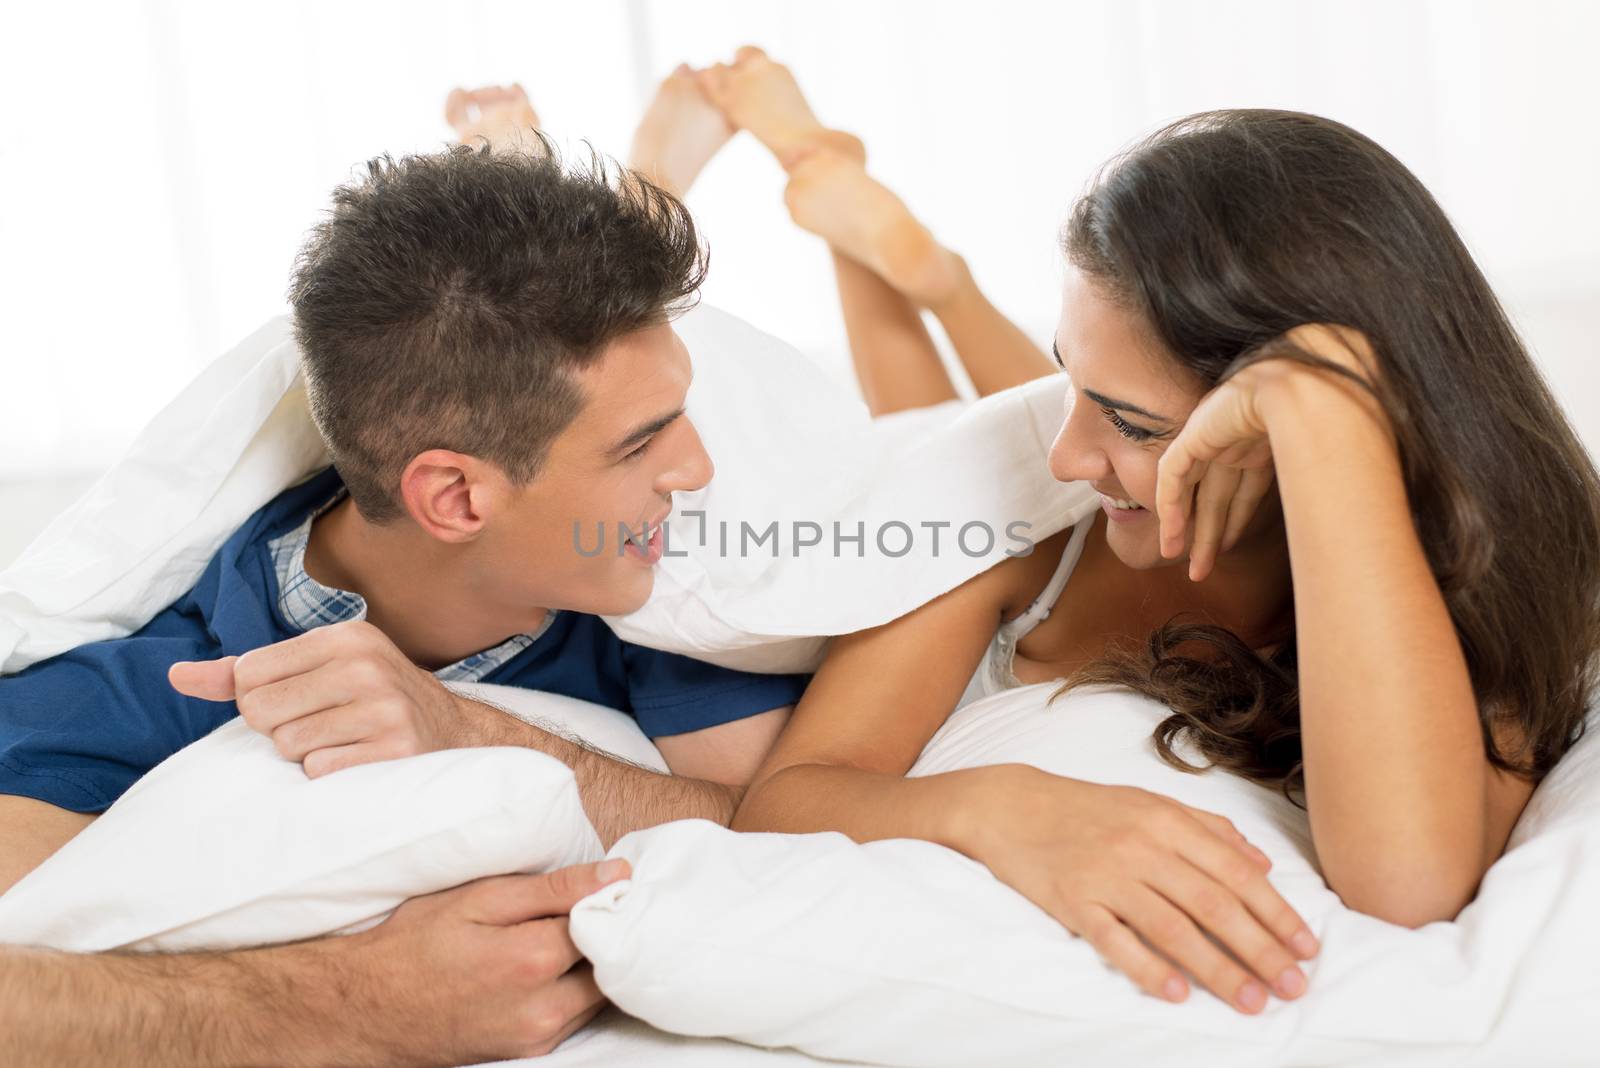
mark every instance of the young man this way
{"type": "Point", "coordinates": [488, 354]}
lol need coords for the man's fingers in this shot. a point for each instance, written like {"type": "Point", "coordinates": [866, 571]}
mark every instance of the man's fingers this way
{"type": "Point", "coordinates": [307, 652]}
{"type": "Point", "coordinates": [329, 729]}
{"type": "Point", "coordinates": [274, 706]}
{"type": "Point", "coordinates": [320, 762]}
{"type": "Point", "coordinates": [508, 899]}
{"type": "Point", "coordinates": [546, 944]}
{"type": "Point", "coordinates": [209, 680]}
{"type": "Point", "coordinates": [574, 997]}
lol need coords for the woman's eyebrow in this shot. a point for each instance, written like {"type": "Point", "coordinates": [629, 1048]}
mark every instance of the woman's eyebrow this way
{"type": "Point", "coordinates": [1109, 402]}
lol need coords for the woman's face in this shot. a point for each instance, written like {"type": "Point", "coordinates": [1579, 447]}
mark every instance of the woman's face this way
{"type": "Point", "coordinates": [1126, 403]}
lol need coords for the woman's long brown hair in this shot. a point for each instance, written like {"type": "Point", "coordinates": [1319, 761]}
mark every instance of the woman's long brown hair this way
{"type": "Point", "coordinates": [1226, 229]}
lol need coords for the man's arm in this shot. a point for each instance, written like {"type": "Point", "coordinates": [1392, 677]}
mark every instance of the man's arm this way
{"type": "Point", "coordinates": [484, 972]}
{"type": "Point", "coordinates": [344, 695]}
{"type": "Point", "coordinates": [619, 797]}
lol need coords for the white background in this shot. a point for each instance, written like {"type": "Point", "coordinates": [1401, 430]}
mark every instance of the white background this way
{"type": "Point", "coordinates": [162, 160]}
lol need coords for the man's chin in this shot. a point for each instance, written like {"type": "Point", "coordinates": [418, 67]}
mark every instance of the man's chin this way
{"type": "Point", "coordinates": [628, 595]}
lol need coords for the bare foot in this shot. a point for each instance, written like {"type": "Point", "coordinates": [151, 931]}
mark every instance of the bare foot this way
{"type": "Point", "coordinates": [680, 132]}
{"type": "Point", "coordinates": [831, 195]}
{"type": "Point", "coordinates": [760, 95]}
{"type": "Point", "coordinates": [501, 115]}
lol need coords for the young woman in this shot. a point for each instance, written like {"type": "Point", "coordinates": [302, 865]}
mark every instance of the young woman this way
{"type": "Point", "coordinates": [1287, 369]}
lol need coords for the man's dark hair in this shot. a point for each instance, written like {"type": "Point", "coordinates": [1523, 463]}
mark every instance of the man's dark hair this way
{"type": "Point", "coordinates": [449, 300]}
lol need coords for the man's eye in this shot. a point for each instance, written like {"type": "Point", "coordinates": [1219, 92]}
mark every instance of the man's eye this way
{"type": "Point", "coordinates": [640, 451]}
{"type": "Point", "coordinates": [1125, 428]}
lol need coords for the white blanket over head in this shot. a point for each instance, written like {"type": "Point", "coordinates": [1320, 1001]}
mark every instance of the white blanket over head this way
{"type": "Point", "coordinates": [800, 466]}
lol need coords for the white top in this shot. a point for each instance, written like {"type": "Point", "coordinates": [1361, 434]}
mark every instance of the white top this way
{"type": "Point", "coordinates": [994, 672]}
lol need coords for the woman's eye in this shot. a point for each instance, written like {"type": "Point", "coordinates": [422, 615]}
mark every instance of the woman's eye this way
{"type": "Point", "coordinates": [1125, 428]}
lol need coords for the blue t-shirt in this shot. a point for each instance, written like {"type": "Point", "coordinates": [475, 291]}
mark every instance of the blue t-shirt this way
{"type": "Point", "coordinates": [80, 728]}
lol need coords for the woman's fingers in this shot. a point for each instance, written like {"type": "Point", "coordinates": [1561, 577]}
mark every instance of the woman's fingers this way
{"type": "Point", "coordinates": [1220, 912]}
{"type": "Point", "coordinates": [1226, 866]}
{"type": "Point", "coordinates": [1211, 500]}
{"type": "Point", "coordinates": [1176, 474]}
{"type": "Point", "coordinates": [1223, 828]}
{"type": "Point", "coordinates": [1253, 486]}
{"type": "Point", "coordinates": [1171, 930]}
{"type": "Point", "coordinates": [1123, 950]}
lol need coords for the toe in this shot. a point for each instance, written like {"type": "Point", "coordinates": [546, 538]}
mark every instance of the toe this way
{"type": "Point", "coordinates": [713, 79]}
{"type": "Point", "coordinates": [455, 107]}
{"type": "Point", "coordinates": [746, 53]}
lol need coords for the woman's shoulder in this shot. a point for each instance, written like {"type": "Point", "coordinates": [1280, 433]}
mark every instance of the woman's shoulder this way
{"type": "Point", "coordinates": [1019, 580]}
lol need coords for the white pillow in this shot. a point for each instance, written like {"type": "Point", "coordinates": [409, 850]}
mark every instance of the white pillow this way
{"type": "Point", "coordinates": [791, 449]}
{"type": "Point", "coordinates": [227, 844]}
{"type": "Point", "coordinates": [906, 953]}
{"type": "Point", "coordinates": [140, 537]}
{"type": "Point", "coordinates": [789, 445]}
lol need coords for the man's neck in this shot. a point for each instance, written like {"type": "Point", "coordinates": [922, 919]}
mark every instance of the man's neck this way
{"type": "Point", "coordinates": [418, 590]}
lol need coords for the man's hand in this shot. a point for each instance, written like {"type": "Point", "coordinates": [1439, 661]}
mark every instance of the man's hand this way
{"type": "Point", "coordinates": [483, 972]}
{"type": "Point", "coordinates": [500, 952]}
{"type": "Point", "coordinates": [343, 695]}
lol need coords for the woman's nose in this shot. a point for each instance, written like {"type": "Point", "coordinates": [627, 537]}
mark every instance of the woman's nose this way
{"type": "Point", "coordinates": [1075, 459]}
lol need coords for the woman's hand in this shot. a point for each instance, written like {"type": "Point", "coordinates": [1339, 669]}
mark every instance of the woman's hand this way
{"type": "Point", "coordinates": [1219, 467]}
{"type": "Point", "coordinates": [1115, 863]}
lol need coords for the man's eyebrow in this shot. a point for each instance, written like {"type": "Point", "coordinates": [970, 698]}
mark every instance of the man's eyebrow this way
{"type": "Point", "coordinates": [654, 426]}
{"type": "Point", "coordinates": [1109, 402]}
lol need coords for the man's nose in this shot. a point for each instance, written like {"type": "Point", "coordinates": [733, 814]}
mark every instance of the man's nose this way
{"type": "Point", "coordinates": [692, 468]}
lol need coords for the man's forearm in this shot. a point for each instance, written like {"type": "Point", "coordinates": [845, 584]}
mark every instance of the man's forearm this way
{"type": "Point", "coordinates": [620, 797]}
{"type": "Point", "coordinates": [214, 1009]}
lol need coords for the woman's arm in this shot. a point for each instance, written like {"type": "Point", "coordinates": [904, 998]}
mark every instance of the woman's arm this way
{"type": "Point", "coordinates": [1110, 863]}
{"type": "Point", "coordinates": [1406, 811]}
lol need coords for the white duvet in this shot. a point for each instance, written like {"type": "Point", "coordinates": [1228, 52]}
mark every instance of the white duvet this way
{"type": "Point", "coordinates": [905, 953]}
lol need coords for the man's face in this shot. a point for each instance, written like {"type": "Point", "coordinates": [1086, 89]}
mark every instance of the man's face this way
{"type": "Point", "coordinates": [616, 464]}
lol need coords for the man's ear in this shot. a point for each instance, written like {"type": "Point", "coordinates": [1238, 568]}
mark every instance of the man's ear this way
{"type": "Point", "coordinates": [450, 495]}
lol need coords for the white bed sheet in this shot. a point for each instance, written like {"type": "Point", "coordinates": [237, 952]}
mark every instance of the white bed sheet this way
{"type": "Point", "coordinates": [616, 1040]}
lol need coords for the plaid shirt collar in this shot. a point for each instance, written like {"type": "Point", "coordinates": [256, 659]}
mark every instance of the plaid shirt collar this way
{"type": "Point", "coordinates": [307, 603]}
